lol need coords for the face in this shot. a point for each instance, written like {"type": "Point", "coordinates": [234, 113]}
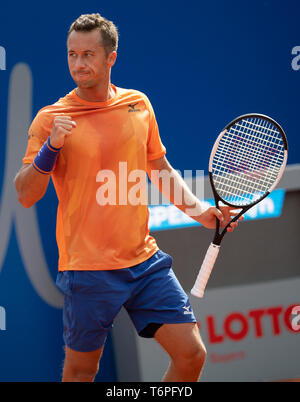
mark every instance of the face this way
{"type": "Point", "coordinates": [88, 63]}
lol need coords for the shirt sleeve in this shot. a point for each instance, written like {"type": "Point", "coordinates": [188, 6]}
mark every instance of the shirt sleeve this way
{"type": "Point", "coordinates": [38, 133]}
{"type": "Point", "coordinates": [155, 147]}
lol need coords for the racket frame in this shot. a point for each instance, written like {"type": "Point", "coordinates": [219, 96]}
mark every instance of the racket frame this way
{"type": "Point", "coordinates": [219, 236]}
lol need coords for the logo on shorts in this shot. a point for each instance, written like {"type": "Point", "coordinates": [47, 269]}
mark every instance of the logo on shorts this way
{"type": "Point", "coordinates": [187, 310]}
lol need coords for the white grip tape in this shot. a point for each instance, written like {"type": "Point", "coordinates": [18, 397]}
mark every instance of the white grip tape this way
{"type": "Point", "coordinates": [205, 270]}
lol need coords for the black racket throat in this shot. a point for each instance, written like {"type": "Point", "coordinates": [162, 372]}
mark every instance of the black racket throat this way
{"type": "Point", "coordinates": [219, 236]}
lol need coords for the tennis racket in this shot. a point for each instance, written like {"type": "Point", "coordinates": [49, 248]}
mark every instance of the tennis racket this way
{"type": "Point", "coordinates": [246, 163]}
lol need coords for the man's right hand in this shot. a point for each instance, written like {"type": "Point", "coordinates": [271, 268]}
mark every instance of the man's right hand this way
{"type": "Point", "coordinates": [61, 129]}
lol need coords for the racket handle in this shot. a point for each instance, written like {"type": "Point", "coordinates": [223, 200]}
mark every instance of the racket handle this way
{"type": "Point", "coordinates": [205, 270]}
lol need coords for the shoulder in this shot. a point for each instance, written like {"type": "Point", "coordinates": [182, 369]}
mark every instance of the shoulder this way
{"type": "Point", "coordinates": [133, 95]}
{"type": "Point", "coordinates": [43, 117]}
{"type": "Point", "coordinates": [43, 121]}
{"type": "Point", "coordinates": [46, 114]}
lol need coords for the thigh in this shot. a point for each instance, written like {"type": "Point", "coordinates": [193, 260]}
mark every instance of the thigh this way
{"type": "Point", "coordinates": [180, 339]}
{"type": "Point", "coordinates": [158, 298]}
{"type": "Point", "coordinates": [89, 308]}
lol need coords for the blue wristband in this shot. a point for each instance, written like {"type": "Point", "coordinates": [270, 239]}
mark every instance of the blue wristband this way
{"type": "Point", "coordinates": [45, 160]}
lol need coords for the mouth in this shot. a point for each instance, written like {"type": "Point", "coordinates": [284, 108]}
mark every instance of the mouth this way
{"type": "Point", "coordinates": [81, 74]}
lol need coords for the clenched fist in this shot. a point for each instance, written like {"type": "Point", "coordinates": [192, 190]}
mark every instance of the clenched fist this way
{"type": "Point", "coordinates": [62, 128]}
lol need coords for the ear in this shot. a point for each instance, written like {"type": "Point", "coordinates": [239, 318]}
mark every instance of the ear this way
{"type": "Point", "coordinates": [112, 57]}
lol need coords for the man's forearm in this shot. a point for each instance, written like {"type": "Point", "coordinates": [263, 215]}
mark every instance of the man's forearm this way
{"type": "Point", "coordinates": [175, 190]}
{"type": "Point", "coordinates": [30, 185]}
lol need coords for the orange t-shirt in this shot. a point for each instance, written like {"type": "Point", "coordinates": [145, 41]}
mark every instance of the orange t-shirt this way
{"type": "Point", "coordinates": [90, 235]}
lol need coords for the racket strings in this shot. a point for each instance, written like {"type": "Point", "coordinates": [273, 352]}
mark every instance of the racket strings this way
{"type": "Point", "coordinates": [269, 147]}
{"type": "Point", "coordinates": [247, 161]}
{"type": "Point", "coordinates": [259, 146]}
{"type": "Point", "coordinates": [271, 142]}
{"type": "Point", "coordinates": [246, 184]}
{"type": "Point", "coordinates": [245, 169]}
{"type": "Point", "coordinates": [252, 161]}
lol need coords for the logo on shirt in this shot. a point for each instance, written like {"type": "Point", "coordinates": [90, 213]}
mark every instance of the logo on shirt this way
{"type": "Point", "coordinates": [132, 108]}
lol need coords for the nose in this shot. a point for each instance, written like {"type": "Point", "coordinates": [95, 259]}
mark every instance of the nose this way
{"type": "Point", "coordinates": [79, 63]}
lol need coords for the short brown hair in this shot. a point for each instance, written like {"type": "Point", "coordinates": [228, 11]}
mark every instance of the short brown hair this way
{"type": "Point", "coordinates": [89, 22]}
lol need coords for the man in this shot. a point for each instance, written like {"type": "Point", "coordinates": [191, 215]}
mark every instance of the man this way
{"type": "Point", "coordinates": [107, 257]}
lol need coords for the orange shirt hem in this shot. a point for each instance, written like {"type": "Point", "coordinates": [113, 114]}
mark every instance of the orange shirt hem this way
{"type": "Point", "coordinates": [87, 267]}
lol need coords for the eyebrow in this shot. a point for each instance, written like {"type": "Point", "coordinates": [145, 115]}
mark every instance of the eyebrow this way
{"type": "Point", "coordinates": [83, 51]}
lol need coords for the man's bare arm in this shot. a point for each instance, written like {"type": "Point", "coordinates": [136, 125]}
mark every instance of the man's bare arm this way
{"type": "Point", "coordinates": [178, 193]}
{"type": "Point", "coordinates": [30, 185]}
{"type": "Point", "coordinates": [189, 202]}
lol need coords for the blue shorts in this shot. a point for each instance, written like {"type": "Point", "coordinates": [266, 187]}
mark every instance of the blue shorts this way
{"type": "Point", "coordinates": [150, 292]}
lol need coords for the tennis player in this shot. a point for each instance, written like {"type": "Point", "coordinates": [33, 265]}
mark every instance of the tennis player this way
{"type": "Point", "coordinates": [107, 258]}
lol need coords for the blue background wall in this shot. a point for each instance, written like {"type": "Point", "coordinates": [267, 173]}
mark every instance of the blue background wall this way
{"type": "Point", "coordinates": [201, 64]}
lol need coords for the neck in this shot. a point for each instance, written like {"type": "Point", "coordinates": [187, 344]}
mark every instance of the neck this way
{"type": "Point", "coordinates": [101, 93]}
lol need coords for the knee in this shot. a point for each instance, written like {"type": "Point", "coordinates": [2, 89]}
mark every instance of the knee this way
{"type": "Point", "coordinates": [81, 366]}
{"type": "Point", "coordinates": [80, 371]}
{"type": "Point", "coordinates": [193, 359]}
{"type": "Point", "coordinates": [201, 356]}
{"type": "Point", "coordinates": [86, 374]}
{"type": "Point", "coordinates": [197, 359]}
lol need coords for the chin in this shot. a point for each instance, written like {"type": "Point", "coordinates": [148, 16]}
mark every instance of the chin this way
{"type": "Point", "coordinates": [83, 85]}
